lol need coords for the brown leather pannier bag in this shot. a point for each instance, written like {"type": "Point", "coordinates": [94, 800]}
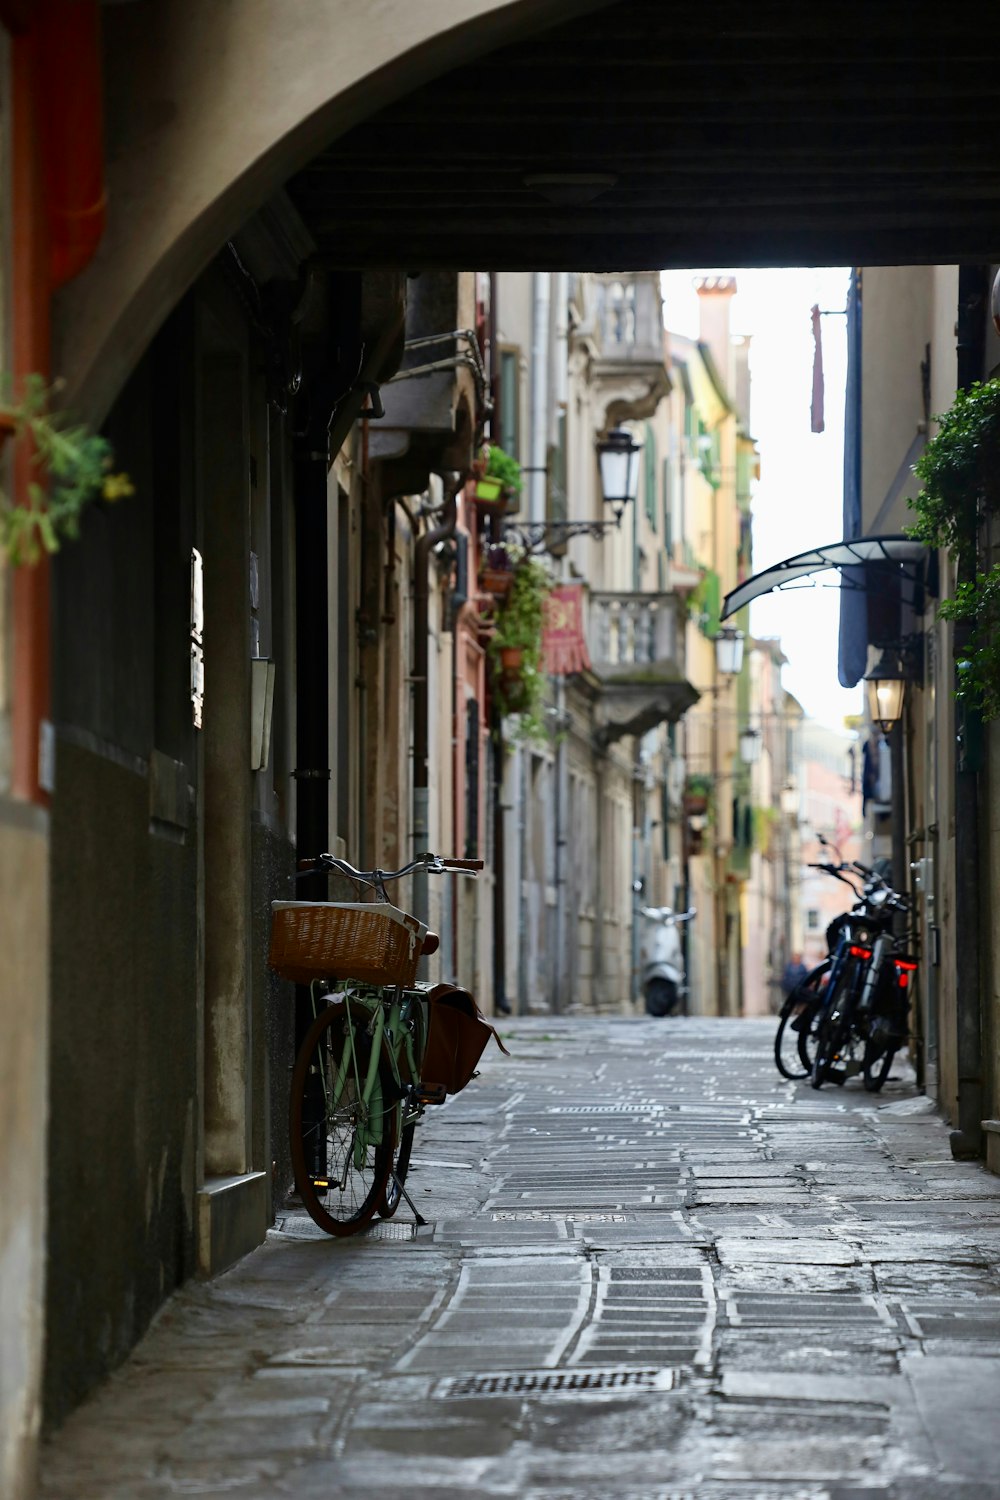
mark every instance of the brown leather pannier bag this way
{"type": "Point", "coordinates": [457, 1036]}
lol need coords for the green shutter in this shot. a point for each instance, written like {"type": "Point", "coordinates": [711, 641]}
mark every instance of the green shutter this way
{"type": "Point", "coordinates": [510, 436]}
{"type": "Point", "coordinates": [649, 476]}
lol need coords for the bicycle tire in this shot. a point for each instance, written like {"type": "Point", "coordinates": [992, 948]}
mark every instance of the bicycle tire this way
{"type": "Point", "coordinates": [833, 1029]}
{"type": "Point", "coordinates": [799, 1007]}
{"type": "Point", "coordinates": [339, 1177]}
{"type": "Point", "coordinates": [876, 1061]}
{"type": "Point", "coordinates": [392, 1194]}
{"type": "Point", "coordinates": [793, 1074]}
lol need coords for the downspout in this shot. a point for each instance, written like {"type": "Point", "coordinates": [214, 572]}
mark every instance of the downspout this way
{"type": "Point", "coordinates": [421, 658]}
{"type": "Point", "coordinates": [561, 394]}
{"type": "Point", "coordinates": [57, 215]}
{"type": "Point", "coordinates": [539, 395]}
{"type": "Point", "coordinates": [967, 1140]}
{"type": "Point", "coordinates": [500, 1001]}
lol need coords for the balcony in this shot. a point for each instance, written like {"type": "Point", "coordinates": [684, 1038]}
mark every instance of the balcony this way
{"type": "Point", "coordinates": [629, 372]}
{"type": "Point", "coordinates": [636, 644]}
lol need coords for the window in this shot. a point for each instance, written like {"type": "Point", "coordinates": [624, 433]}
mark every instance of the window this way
{"type": "Point", "coordinates": [812, 919]}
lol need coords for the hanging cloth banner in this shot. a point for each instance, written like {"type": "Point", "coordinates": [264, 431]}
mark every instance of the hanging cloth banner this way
{"type": "Point", "coordinates": [817, 423]}
{"type": "Point", "coordinates": [564, 649]}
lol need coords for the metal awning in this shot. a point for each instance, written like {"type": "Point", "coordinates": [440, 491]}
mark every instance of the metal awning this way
{"type": "Point", "coordinates": [861, 552]}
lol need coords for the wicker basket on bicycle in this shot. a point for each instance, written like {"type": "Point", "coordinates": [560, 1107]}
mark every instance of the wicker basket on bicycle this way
{"type": "Point", "coordinates": [368, 941]}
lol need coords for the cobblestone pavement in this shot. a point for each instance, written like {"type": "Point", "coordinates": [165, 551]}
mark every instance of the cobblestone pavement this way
{"type": "Point", "coordinates": [652, 1271]}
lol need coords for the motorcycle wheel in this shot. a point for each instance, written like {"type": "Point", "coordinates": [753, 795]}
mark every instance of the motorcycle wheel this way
{"type": "Point", "coordinates": [661, 997]}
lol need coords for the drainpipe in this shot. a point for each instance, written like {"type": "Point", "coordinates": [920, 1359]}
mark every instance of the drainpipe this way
{"type": "Point", "coordinates": [58, 210]}
{"type": "Point", "coordinates": [967, 1140]}
{"type": "Point", "coordinates": [560, 392]}
{"type": "Point", "coordinates": [539, 395]}
{"type": "Point", "coordinates": [421, 656]}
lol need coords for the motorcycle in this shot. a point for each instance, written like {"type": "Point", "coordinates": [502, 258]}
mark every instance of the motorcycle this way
{"type": "Point", "coordinates": [663, 959]}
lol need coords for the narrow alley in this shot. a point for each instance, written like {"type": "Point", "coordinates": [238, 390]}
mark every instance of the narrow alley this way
{"type": "Point", "coordinates": [650, 1269]}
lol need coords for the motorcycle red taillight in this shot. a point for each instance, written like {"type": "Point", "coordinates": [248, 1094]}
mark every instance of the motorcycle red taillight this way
{"type": "Point", "coordinates": [858, 952]}
{"type": "Point", "coordinates": [904, 968]}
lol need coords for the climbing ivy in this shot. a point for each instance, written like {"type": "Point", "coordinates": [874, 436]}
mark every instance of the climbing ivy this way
{"type": "Point", "coordinates": [959, 472]}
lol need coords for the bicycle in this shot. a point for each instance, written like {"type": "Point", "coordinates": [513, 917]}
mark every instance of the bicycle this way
{"type": "Point", "coordinates": [862, 1002]}
{"type": "Point", "coordinates": [358, 1084]}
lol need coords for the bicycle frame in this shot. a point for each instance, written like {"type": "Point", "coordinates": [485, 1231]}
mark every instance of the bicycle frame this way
{"type": "Point", "coordinates": [384, 1020]}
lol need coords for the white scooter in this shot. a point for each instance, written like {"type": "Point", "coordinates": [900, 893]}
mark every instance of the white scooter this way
{"type": "Point", "coordinates": [662, 959]}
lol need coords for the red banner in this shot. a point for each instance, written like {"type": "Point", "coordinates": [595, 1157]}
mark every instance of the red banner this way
{"type": "Point", "coordinates": [564, 648]}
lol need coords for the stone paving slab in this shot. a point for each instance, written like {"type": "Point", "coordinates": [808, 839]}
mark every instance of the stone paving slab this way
{"type": "Point", "coordinates": [653, 1270]}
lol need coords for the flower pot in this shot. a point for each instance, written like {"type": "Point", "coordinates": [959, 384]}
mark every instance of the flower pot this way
{"type": "Point", "coordinates": [498, 581]}
{"type": "Point", "coordinates": [489, 489]}
{"type": "Point", "coordinates": [511, 661]}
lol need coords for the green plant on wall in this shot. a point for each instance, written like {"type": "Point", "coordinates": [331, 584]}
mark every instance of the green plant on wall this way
{"type": "Point", "coordinates": [519, 623]}
{"type": "Point", "coordinates": [500, 465]}
{"type": "Point", "coordinates": [959, 472]}
{"type": "Point", "coordinates": [75, 467]}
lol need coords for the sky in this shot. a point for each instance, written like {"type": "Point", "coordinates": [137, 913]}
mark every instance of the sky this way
{"type": "Point", "coordinates": [797, 503]}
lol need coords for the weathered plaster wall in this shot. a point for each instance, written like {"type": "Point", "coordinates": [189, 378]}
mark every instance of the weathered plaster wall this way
{"type": "Point", "coordinates": [121, 1161]}
{"type": "Point", "coordinates": [23, 1092]}
{"type": "Point", "coordinates": [210, 108]}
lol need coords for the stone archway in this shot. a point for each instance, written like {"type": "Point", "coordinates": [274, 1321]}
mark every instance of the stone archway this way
{"type": "Point", "coordinates": [210, 108]}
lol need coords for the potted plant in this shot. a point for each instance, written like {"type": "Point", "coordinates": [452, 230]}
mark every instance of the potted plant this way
{"type": "Point", "coordinates": [76, 464]}
{"type": "Point", "coordinates": [498, 475]}
{"type": "Point", "coordinates": [497, 573]}
{"type": "Point", "coordinates": [516, 647]}
{"type": "Point", "coordinates": [697, 791]}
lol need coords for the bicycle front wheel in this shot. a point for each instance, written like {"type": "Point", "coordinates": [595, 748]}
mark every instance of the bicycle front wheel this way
{"type": "Point", "coordinates": [834, 1029]}
{"type": "Point", "coordinates": [786, 1043]}
{"type": "Point", "coordinates": [341, 1134]}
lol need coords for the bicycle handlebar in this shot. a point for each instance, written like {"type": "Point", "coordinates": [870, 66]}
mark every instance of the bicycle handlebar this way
{"type": "Point", "coordinates": [432, 863]}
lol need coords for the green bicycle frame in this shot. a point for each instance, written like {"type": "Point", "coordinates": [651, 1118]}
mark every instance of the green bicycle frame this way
{"type": "Point", "coordinates": [384, 1022]}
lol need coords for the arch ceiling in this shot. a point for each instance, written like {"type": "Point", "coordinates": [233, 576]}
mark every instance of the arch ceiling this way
{"type": "Point", "coordinates": [534, 134]}
{"type": "Point", "coordinates": [765, 133]}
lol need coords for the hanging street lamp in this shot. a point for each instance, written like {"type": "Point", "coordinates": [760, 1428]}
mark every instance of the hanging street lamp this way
{"type": "Point", "coordinates": [729, 651]}
{"type": "Point", "coordinates": [751, 745]}
{"type": "Point", "coordinates": [618, 459]}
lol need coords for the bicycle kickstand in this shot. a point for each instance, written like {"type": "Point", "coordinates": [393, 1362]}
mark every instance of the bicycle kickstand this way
{"type": "Point", "coordinates": [414, 1210]}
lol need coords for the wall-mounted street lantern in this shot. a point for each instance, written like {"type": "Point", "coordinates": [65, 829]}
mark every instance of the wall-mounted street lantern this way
{"type": "Point", "coordinates": [885, 682]}
{"type": "Point", "coordinates": [751, 745]}
{"type": "Point", "coordinates": [885, 687]}
{"type": "Point", "coordinates": [729, 651]}
{"type": "Point", "coordinates": [789, 799]}
{"type": "Point", "coordinates": [618, 459]}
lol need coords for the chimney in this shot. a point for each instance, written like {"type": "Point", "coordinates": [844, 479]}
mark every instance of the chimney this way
{"type": "Point", "coordinates": [714, 296]}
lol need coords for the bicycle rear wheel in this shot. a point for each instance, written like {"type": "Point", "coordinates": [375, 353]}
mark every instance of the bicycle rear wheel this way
{"type": "Point", "coordinates": [416, 1023]}
{"type": "Point", "coordinates": [341, 1143]}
